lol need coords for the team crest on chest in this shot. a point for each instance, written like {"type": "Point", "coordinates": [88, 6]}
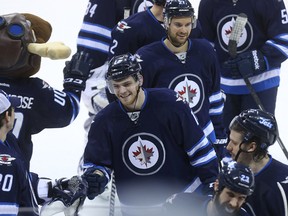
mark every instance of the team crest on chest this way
{"type": "Point", "coordinates": [224, 29]}
{"type": "Point", "coordinates": [189, 89]}
{"type": "Point", "coordinates": [143, 154]}
{"type": "Point", "coordinates": [6, 159]}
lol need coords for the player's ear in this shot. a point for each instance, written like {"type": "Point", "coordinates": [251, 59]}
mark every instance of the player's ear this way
{"type": "Point", "coordinates": [216, 185]}
{"type": "Point", "coordinates": [140, 78]}
{"type": "Point", "coordinates": [251, 147]}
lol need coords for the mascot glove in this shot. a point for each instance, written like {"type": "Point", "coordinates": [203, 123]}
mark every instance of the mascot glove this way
{"type": "Point", "coordinates": [96, 180]}
{"type": "Point", "coordinates": [77, 71]}
{"type": "Point", "coordinates": [247, 64]}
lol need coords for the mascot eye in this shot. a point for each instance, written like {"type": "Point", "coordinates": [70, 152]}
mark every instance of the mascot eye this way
{"type": "Point", "coordinates": [15, 30]}
{"type": "Point", "coordinates": [2, 22]}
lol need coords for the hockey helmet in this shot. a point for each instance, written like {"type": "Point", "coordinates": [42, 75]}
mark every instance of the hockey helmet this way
{"type": "Point", "coordinates": [237, 177]}
{"type": "Point", "coordinates": [177, 8]}
{"type": "Point", "coordinates": [160, 2]}
{"type": "Point", "coordinates": [122, 66]}
{"type": "Point", "coordinates": [259, 124]}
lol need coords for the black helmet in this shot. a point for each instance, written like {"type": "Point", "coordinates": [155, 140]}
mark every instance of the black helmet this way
{"type": "Point", "coordinates": [177, 8]}
{"type": "Point", "coordinates": [160, 2]}
{"type": "Point", "coordinates": [237, 177]}
{"type": "Point", "coordinates": [122, 66]}
{"type": "Point", "coordinates": [257, 123]}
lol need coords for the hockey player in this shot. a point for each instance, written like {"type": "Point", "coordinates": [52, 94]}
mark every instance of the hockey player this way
{"type": "Point", "coordinates": [99, 19]}
{"type": "Point", "coordinates": [94, 38]}
{"type": "Point", "coordinates": [252, 132]}
{"type": "Point", "coordinates": [234, 184]}
{"type": "Point", "coordinates": [17, 196]}
{"type": "Point", "coordinates": [261, 49]}
{"type": "Point", "coordinates": [141, 29]}
{"type": "Point", "coordinates": [150, 140]}
{"type": "Point", "coordinates": [189, 67]}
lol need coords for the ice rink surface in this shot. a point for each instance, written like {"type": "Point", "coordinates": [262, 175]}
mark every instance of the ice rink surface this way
{"type": "Point", "coordinates": [57, 151]}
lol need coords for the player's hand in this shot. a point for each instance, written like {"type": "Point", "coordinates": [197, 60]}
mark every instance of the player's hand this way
{"type": "Point", "coordinates": [246, 64]}
{"type": "Point", "coordinates": [76, 71]}
{"type": "Point", "coordinates": [67, 195]}
{"type": "Point", "coordinates": [96, 180]}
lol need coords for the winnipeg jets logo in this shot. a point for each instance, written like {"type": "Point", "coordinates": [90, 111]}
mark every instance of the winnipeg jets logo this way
{"type": "Point", "coordinates": [141, 5]}
{"type": "Point", "coordinates": [188, 93]}
{"type": "Point", "coordinates": [121, 26]}
{"type": "Point", "coordinates": [224, 29]}
{"type": "Point", "coordinates": [190, 90]}
{"type": "Point", "coordinates": [143, 154]}
{"type": "Point", "coordinates": [6, 159]}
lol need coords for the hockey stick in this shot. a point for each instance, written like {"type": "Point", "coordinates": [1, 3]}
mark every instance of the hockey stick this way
{"type": "Point", "coordinates": [112, 195]}
{"type": "Point", "coordinates": [238, 27]}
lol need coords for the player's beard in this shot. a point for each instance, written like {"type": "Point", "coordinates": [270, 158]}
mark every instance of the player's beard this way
{"type": "Point", "coordinates": [130, 102]}
{"type": "Point", "coordinates": [223, 209]}
{"type": "Point", "coordinates": [176, 40]}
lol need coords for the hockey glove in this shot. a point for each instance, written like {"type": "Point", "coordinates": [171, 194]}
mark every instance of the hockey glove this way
{"type": "Point", "coordinates": [246, 64]}
{"type": "Point", "coordinates": [96, 180]}
{"type": "Point", "coordinates": [67, 195]}
{"type": "Point", "coordinates": [76, 72]}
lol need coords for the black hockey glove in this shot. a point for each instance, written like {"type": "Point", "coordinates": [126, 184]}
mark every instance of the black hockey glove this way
{"type": "Point", "coordinates": [246, 64]}
{"type": "Point", "coordinates": [96, 180]}
{"type": "Point", "coordinates": [76, 71]}
{"type": "Point", "coordinates": [220, 147]}
{"type": "Point", "coordinates": [67, 195]}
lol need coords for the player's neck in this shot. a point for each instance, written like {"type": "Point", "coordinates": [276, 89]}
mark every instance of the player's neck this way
{"type": "Point", "coordinates": [175, 49]}
{"type": "Point", "coordinates": [157, 11]}
{"type": "Point", "coordinates": [3, 134]}
{"type": "Point", "coordinates": [257, 166]}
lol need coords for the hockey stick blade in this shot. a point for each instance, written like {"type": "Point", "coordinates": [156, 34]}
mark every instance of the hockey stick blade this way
{"type": "Point", "coordinates": [235, 35]}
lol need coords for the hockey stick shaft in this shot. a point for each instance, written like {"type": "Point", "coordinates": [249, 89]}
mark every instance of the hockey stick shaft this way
{"type": "Point", "coordinates": [112, 196]}
{"type": "Point", "coordinates": [238, 27]}
{"type": "Point", "coordinates": [261, 107]}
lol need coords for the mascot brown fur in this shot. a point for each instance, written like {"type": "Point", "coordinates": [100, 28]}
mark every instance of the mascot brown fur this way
{"type": "Point", "coordinates": [23, 43]}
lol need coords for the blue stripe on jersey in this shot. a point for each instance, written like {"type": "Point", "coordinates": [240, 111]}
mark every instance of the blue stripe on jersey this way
{"type": "Point", "coordinates": [216, 110]}
{"type": "Point", "coordinates": [260, 82]}
{"type": "Point", "coordinates": [209, 131]}
{"type": "Point", "coordinates": [281, 48]}
{"type": "Point", "coordinates": [8, 209]}
{"type": "Point", "coordinates": [215, 97]}
{"type": "Point", "coordinates": [203, 143]}
{"type": "Point", "coordinates": [93, 44]}
{"type": "Point", "coordinates": [204, 159]}
{"type": "Point", "coordinates": [96, 29]}
{"type": "Point", "coordinates": [75, 104]}
{"type": "Point", "coordinates": [195, 183]}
